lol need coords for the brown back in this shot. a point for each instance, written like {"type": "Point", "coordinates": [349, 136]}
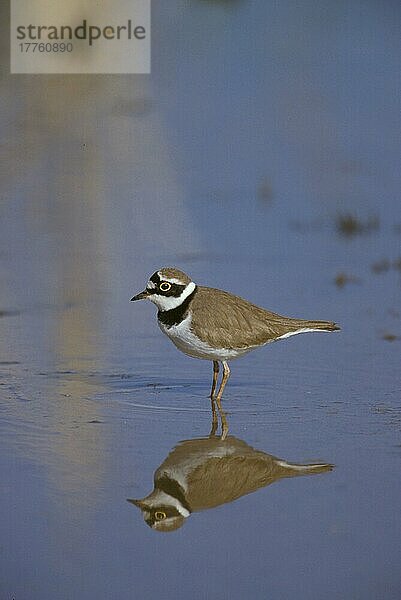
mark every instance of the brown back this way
{"type": "Point", "coordinates": [223, 320]}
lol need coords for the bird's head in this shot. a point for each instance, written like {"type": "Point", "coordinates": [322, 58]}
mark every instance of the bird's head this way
{"type": "Point", "coordinates": [167, 288]}
{"type": "Point", "coordinates": [160, 516]}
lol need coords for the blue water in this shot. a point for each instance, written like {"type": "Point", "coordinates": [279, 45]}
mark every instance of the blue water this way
{"type": "Point", "coordinates": [260, 124]}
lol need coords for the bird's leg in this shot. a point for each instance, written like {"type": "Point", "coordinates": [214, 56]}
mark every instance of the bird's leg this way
{"type": "Point", "coordinates": [226, 375]}
{"type": "Point", "coordinates": [215, 421]}
{"type": "Point", "coordinates": [224, 424]}
{"type": "Point", "coordinates": [212, 400]}
{"type": "Point", "coordinates": [215, 376]}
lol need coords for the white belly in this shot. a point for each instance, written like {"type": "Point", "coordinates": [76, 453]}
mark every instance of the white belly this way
{"type": "Point", "coordinates": [182, 336]}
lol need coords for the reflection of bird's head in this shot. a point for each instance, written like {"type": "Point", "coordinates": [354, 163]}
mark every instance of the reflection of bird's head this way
{"type": "Point", "coordinates": [161, 516]}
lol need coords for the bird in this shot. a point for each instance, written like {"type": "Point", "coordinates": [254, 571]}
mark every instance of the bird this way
{"type": "Point", "coordinates": [215, 325]}
{"type": "Point", "coordinates": [204, 473]}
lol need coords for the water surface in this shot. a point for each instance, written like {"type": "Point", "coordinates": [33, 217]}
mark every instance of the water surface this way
{"type": "Point", "coordinates": [259, 125]}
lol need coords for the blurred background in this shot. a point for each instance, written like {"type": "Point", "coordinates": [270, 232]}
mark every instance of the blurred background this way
{"type": "Point", "coordinates": [262, 156]}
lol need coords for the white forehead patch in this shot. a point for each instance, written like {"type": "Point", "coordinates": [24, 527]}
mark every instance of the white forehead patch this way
{"type": "Point", "coordinates": [170, 279]}
{"type": "Point", "coordinates": [150, 285]}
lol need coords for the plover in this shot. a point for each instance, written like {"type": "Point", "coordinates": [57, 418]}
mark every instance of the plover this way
{"type": "Point", "coordinates": [204, 473]}
{"type": "Point", "coordinates": [214, 325]}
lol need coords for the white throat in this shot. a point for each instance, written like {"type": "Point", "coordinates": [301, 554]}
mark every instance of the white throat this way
{"type": "Point", "coordinates": [168, 303]}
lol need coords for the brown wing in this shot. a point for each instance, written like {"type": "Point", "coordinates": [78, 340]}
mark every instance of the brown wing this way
{"type": "Point", "coordinates": [226, 321]}
{"type": "Point", "coordinates": [222, 471]}
{"type": "Point", "coordinates": [222, 480]}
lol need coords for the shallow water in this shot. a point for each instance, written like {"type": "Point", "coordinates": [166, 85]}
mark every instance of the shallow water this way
{"type": "Point", "coordinates": [234, 168]}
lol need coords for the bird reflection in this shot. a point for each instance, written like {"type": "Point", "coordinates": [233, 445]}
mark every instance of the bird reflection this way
{"type": "Point", "coordinates": [204, 473]}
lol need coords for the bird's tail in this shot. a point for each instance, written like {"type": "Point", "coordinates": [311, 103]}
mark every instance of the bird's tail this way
{"type": "Point", "coordinates": [294, 469]}
{"type": "Point", "coordinates": [320, 326]}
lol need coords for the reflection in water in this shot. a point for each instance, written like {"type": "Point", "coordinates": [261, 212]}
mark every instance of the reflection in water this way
{"type": "Point", "coordinates": [203, 473]}
{"type": "Point", "coordinates": [88, 177]}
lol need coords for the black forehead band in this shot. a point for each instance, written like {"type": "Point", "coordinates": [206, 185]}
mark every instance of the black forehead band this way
{"type": "Point", "coordinates": [155, 278]}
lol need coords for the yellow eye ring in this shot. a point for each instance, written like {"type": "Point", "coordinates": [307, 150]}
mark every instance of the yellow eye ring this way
{"type": "Point", "coordinates": [160, 515]}
{"type": "Point", "coordinates": [165, 286]}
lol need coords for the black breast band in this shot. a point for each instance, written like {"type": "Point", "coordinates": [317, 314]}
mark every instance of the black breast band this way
{"type": "Point", "coordinates": [176, 315]}
{"type": "Point", "coordinates": [172, 488]}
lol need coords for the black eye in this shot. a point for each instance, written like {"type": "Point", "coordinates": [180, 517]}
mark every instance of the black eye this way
{"type": "Point", "coordinates": [160, 515]}
{"type": "Point", "coordinates": [165, 286]}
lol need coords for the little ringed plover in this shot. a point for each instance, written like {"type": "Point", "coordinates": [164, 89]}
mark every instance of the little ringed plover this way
{"type": "Point", "coordinates": [204, 473]}
{"type": "Point", "coordinates": [214, 325]}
